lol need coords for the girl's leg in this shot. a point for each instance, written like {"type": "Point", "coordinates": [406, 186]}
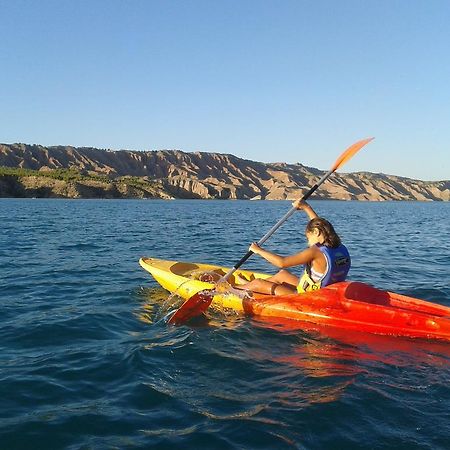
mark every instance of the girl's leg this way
{"type": "Point", "coordinates": [284, 276]}
{"type": "Point", "coordinates": [282, 283]}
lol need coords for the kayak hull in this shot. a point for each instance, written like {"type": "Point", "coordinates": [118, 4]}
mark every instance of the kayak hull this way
{"type": "Point", "coordinates": [349, 305]}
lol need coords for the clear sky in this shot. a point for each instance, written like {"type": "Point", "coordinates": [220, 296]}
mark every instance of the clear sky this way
{"type": "Point", "coordinates": [281, 80]}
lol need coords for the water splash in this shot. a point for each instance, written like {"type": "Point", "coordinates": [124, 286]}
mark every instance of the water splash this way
{"type": "Point", "coordinates": [174, 301]}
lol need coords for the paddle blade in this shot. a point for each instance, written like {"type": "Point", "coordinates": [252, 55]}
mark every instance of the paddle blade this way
{"type": "Point", "coordinates": [192, 307]}
{"type": "Point", "coordinates": [349, 153]}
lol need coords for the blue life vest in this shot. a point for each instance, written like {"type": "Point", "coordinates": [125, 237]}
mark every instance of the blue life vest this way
{"type": "Point", "coordinates": [338, 265]}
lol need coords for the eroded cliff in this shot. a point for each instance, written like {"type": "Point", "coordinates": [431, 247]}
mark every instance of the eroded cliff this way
{"type": "Point", "coordinates": [177, 174]}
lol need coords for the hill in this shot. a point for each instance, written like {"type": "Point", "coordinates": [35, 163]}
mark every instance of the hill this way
{"type": "Point", "coordinates": [70, 172]}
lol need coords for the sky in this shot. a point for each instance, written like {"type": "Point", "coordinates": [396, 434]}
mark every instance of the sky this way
{"type": "Point", "coordinates": [271, 81]}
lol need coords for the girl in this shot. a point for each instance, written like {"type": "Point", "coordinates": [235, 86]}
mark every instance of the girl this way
{"type": "Point", "coordinates": [326, 261]}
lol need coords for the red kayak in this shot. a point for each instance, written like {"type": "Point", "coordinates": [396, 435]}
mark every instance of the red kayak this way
{"type": "Point", "coordinates": [359, 307]}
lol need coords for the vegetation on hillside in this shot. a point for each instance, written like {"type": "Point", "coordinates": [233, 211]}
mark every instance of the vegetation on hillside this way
{"type": "Point", "coordinates": [57, 174]}
{"type": "Point", "coordinates": [74, 176]}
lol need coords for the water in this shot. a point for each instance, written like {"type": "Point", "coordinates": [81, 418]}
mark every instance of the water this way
{"type": "Point", "coordinates": [86, 364]}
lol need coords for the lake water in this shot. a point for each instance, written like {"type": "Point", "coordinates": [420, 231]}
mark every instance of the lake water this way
{"type": "Point", "coordinates": [86, 362]}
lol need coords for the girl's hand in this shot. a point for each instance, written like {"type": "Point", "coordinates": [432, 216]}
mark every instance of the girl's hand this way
{"type": "Point", "coordinates": [254, 247]}
{"type": "Point", "coordinates": [298, 204]}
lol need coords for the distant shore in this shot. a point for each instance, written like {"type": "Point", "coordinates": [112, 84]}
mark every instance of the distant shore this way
{"type": "Point", "coordinates": [69, 172]}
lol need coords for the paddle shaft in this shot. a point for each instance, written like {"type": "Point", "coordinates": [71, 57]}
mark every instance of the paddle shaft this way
{"type": "Point", "coordinates": [276, 226]}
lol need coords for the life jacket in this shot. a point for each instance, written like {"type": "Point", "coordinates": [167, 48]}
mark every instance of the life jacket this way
{"type": "Point", "coordinates": [338, 265]}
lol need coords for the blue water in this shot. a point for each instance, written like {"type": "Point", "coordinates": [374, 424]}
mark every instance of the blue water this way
{"type": "Point", "coordinates": [86, 362]}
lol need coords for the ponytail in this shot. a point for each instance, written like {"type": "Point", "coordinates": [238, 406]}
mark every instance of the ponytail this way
{"type": "Point", "coordinates": [330, 237]}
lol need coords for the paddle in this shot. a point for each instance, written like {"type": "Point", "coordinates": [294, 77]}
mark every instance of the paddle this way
{"type": "Point", "coordinates": [199, 302]}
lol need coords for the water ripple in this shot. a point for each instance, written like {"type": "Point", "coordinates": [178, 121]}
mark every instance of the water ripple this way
{"type": "Point", "coordinates": [88, 361]}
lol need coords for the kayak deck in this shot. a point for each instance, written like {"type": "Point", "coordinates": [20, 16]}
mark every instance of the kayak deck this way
{"type": "Point", "coordinates": [350, 305]}
{"type": "Point", "coordinates": [186, 279]}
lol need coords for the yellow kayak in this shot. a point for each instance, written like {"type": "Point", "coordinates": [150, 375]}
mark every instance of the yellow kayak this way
{"type": "Point", "coordinates": [186, 279]}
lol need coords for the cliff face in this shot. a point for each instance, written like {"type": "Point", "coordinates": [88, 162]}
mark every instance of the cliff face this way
{"type": "Point", "coordinates": [176, 174]}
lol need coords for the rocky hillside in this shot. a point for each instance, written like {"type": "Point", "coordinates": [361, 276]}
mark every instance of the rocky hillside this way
{"type": "Point", "coordinates": [37, 171]}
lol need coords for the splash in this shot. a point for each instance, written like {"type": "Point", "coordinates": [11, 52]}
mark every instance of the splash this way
{"type": "Point", "coordinates": [221, 287]}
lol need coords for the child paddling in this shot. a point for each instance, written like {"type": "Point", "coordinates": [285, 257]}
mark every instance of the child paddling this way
{"type": "Point", "coordinates": [326, 260]}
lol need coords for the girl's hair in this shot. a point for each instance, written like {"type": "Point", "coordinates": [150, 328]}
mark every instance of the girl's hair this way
{"type": "Point", "coordinates": [330, 237]}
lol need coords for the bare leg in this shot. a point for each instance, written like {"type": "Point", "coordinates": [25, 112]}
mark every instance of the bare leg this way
{"type": "Point", "coordinates": [282, 283]}
{"type": "Point", "coordinates": [285, 277]}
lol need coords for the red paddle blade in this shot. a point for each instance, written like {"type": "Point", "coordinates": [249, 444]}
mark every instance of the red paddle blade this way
{"type": "Point", "coordinates": [350, 152]}
{"type": "Point", "coordinates": [192, 307]}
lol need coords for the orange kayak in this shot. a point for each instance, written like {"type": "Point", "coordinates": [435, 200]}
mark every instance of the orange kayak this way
{"type": "Point", "coordinates": [359, 307]}
{"type": "Point", "coordinates": [348, 305]}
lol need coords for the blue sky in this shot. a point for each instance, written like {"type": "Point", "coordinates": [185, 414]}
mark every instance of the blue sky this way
{"type": "Point", "coordinates": [291, 81]}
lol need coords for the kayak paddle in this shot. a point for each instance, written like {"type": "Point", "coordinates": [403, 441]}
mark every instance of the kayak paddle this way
{"type": "Point", "coordinates": [199, 302]}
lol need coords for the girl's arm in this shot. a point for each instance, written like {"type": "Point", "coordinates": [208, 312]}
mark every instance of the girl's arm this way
{"type": "Point", "coordinates": [306, 207]}
{"type": "Point", "coordinates": [282, 262]}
